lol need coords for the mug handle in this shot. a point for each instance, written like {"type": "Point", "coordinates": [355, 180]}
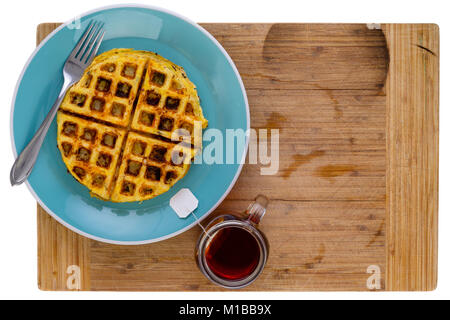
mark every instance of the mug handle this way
{"type": "Point", "coordinates": [257, 209]}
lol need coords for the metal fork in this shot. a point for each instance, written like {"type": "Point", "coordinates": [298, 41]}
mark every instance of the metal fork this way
{"type": "Point", "coordinates": [79, 59]}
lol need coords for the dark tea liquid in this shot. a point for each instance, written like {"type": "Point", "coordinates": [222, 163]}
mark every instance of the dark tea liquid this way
{"type": "Point", "coordinates": [233, 253]}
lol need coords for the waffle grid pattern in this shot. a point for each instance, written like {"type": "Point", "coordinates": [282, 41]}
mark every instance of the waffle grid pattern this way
{"type": "Point", "coordinates": [164, 107]}
{"type": "Point", "coordinates": [116, 157]}
{"type": "Point", "coordinates": [107, 92]}
{"type": "Point", "coordinates": [149, 166]}
{"type": "Point", "coordinates": [91, 151]}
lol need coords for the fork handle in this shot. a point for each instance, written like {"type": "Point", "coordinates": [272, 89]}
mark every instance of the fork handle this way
{"type": "Point", "coordinates": [24, 163]}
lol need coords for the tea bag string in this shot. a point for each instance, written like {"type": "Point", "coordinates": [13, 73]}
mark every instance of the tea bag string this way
{"type": "Point", "coordinates": [203, 228]}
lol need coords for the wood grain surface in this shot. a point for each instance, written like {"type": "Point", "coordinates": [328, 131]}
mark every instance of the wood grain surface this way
{"type": "Point", "coordinates": [357, 111]}
{"type": "Point", "coordinates": [412, 157]}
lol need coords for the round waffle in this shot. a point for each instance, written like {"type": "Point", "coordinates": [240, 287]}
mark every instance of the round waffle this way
{"type": "Point", "coordinates": [119, 127]}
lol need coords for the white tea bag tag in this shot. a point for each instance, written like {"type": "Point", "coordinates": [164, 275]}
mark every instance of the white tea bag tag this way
{"type": "Point", "coordinates": [183, 203]}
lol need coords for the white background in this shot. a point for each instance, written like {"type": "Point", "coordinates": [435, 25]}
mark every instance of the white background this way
{"type": "Point", "coordinates": [18, 248]}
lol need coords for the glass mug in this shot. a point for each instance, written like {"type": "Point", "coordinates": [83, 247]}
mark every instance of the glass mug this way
{"type": "Point", "coordinates": [233, 252]}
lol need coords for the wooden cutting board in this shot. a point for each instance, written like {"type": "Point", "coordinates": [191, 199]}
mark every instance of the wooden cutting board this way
{"type": "Point", "coordinates": [355, 203]}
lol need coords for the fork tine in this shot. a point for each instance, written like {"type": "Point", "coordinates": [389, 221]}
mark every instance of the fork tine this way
{"type": "Point", "coordinates": [82, 39]}
{"type": "Point", "coordinates": [93, 53]}
{"type": "Point", "coordinates": [91, 45]}
{"type": "Point", "coordinates": [88, 42]}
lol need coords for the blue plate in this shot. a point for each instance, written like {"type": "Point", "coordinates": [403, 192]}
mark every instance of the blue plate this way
{"type": "Point", "coordinates": [223, 100]}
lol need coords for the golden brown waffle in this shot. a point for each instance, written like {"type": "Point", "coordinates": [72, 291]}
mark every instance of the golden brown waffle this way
{"type": "Point", "coordinates": [108, 87]}
{"type": "Point", "coordinates": [168, 101]}
{"type": "Point", "coordinates": [90, 151]}
{"type": "Point", "coordinates": [149, 167]}
{"type": "Point", "coordinates": [108, 125]}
